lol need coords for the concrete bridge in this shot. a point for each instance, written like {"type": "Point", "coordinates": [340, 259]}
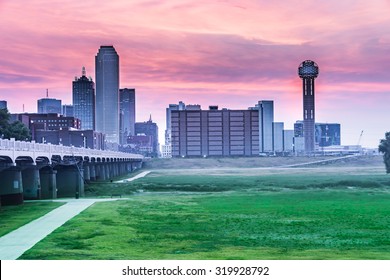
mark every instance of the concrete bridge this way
{"type": "Point", "coordinates": [30, 170]}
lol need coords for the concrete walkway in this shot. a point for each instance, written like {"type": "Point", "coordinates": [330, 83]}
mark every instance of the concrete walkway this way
{"type": "Point", "coordinates": [142, 174]}
{"type": "Point", "coordinates": [15, 243]}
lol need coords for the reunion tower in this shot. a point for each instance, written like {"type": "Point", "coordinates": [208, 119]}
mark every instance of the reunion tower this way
{"type": "Point", "coordinates": [308, 71]}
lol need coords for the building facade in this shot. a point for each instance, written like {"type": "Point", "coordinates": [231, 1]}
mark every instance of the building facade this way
{"type": "Point", "coordinates": [67, 137]}
{"type": "Point", "coordinates": [139, 144]}
{"type": "Point", "coordinates": [46, 122]}
{"type": "Point", "coordinates": [49, 106]}
{"type": "Point", "coordinates": [327, 134]}
{"type": "Point", "coordinates": [149, 128]}
{"type": "Point", "coordinates": [107, 94]}
{"type": "Point", "coordinates": [288, 140]}
{"type": "Point", "coordinates": [266, 119]}
{"type": "Point", "coordinates": [166, 150]}
{"type": "Point", "coordinates": [213, 132]}
{"type": "Point", "coordinates": [67, 111]}
{"type": "Point", "coordinates": [277, 138]}
{"type": "Point", "coordinates": [127, 113]}
{"type": "Point", "coordinates": [83, 95]}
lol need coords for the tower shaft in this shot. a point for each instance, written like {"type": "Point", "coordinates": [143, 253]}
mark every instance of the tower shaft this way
{"type": "Point", "coordinates": [308, 114]}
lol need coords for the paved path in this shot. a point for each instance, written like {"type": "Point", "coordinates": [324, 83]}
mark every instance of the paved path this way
{"type": "Point", "coordinates": [15, 243]}
{"type": "Point", "coordinates": [142, 174]}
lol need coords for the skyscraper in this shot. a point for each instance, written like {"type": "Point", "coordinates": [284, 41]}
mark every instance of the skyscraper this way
{"type": "Point", "coordinates": [49, 105]}
{"type": "Point", "coordinates": [127, 113]}
{"type": "Point", "coordinates": [84, 101]}
{"type": "Point", "coordinates": [107, 93]}
{"type": "Point", "coordinates": [308, 71]}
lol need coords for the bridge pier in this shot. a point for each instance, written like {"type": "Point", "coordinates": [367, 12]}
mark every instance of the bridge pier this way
{"type": "Point", "coordinates": [87, 174]}
{"type": "Point", "coordinates": [101, 172]}
{"type": "Point", "coordinates": [48, 183]}
{"type": "Point", "coordinates": [31, 183]}
{"type": "Point", "coordinates": [115, 169]}
{"type": "Point", "coordinates": [11, 186]}
{"type": "Point", "coordinates": [70, 181]}
{"type": "Point", "coordinates": [92, 172]}
{"type": "Point", "coordinates": [122, 168]}
{"type": "Point", "coordinates": [107, 171]}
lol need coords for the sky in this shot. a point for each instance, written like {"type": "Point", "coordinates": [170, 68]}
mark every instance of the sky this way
{"type": "Point", "coordinates": [227, 53]}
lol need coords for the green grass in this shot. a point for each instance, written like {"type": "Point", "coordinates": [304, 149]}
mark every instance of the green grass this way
{"type": "Point", "coordinates": [13, 217]}
{"type": "Point", "coordinates": [162, 182]}
{"type": "Point", "coordinates": [285, 216]}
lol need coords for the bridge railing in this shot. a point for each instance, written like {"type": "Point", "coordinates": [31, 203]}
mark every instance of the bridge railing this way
{"type": "Point", "coordinates": [13, 145]}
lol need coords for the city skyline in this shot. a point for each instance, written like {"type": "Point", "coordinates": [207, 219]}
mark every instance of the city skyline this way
{"type": "Point", "coordinates": [227, 53]}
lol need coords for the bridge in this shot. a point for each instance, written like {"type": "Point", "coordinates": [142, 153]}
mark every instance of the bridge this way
{"type": "Point", "coordinates": [30, 170]}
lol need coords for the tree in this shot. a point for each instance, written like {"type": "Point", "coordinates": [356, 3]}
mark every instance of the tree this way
{"type": "Point", "coordinates": [15, 129]}
{"type": "Point", "coordinates": [384, 147]}
{"type": "Point", "coordinates": [18, 131]}
{"type": "Point", "coordinates": [4, 121]}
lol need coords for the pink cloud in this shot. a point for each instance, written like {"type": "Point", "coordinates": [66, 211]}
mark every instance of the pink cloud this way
{"type": "Point", "coordinates": [231, 53]}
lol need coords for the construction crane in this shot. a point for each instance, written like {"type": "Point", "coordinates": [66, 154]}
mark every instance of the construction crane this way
{"type": "Point", "coordinates": [360, 138]}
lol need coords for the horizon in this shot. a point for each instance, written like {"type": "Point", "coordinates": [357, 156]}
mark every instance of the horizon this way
{"type": "Point", "coordinates": [226, 53]}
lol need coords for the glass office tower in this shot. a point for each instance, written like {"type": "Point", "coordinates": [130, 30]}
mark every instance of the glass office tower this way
{"type": "Point", "coordinates": [107, 93]}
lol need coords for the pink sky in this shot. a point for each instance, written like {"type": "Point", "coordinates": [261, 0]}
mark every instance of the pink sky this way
{"type": "Point", "coordinates": [228, 53]}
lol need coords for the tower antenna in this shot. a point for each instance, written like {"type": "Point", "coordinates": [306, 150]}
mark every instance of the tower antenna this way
{"type": "Point", "coordinates": [83, 72]}
{"type": "Point", "coordinates": [47, 93]}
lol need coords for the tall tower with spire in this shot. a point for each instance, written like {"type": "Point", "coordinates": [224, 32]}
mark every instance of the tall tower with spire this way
{"type": "Point", "coordinates": [83, 94]}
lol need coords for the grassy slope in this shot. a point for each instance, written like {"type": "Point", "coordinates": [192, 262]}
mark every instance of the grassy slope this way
{"type": "Point", "coordinates": [288, 216]}
{"type": "Point", "coordinates": [13, 217]}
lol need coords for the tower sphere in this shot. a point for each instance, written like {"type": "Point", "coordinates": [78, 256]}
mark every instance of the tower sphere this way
{"type": "Point", "coordinates": [308, 69]}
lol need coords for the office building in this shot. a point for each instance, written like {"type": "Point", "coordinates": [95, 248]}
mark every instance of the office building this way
{"type": "Point", "coordinates": [107, 94]}
{"type": "Point", "coordinates": [308, 71]}
{"type": "Point", "coordinates": [49, 106]}
{"type": "Point", "coordinates": [266, 119]}
{"type": "Point", "coordinates": [83, 95]}
{"type": "Point", "coordinates": [3, 104]}
{"type": "Point", "coordinates": [288, 140]}
{"type": "Point", "coordinates": [46, 122]}
{"type": "Point", "coordinates": [298, 129]}
{"type": "Point", "coordinates": [127, 113]}
{"type": "Point", "coordinates": [327, 134]}
{"type": "Point", "coordinates": [213, 132]}
{"type": "Point", "coordinates": [68, 137]}
{"type": "Point", "coordinates": [277, 139]}
{"type": "Point", "coordinates": [149, 128]}
{"type": "Point", "coordinates": [140, 144]}
{"type": "Point", "coordinates": [166, 150]}
{"type": "Point", "coordinates": [67, 111]}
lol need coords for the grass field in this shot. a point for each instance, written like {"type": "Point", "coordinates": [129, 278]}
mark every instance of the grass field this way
{"type": "Point", "coordinates": [13, 217]}
{"type": "Point", "coordinates": [301, 213]}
